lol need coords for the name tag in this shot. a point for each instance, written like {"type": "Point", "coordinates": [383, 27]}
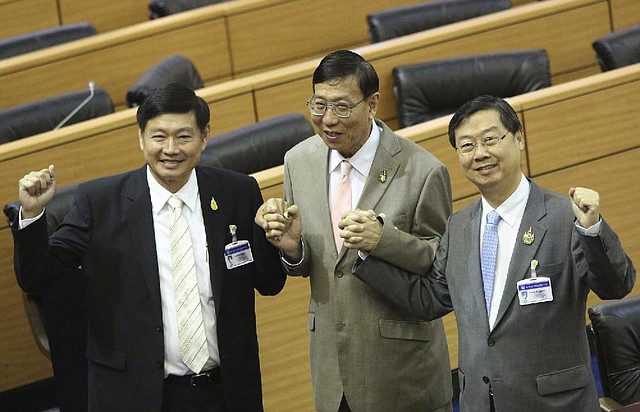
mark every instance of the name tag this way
{"type": "Point", "coordinates": [535, 290]}
{"type": "Point", "coordinates": [237, 254]}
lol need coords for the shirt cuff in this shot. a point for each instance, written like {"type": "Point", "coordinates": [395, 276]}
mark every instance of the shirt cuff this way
{"type": "Point", "coordinates": [293, 265]}
{"type": "Point", "coordinates": [22, 223]}
{"type": "Point", "coordinates": [593, 231]}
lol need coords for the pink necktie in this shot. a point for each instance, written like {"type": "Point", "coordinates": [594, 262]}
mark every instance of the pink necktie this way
{"type": "Point", "coordinates": [341, 200]}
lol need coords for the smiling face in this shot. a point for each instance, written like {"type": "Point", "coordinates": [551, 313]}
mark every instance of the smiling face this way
{"type": "Point", "coordinates": [495, 170]}
{"type": "Point", "coordinates": [346, 135]}
{"type": "Point", "coordinates": [172, 144]}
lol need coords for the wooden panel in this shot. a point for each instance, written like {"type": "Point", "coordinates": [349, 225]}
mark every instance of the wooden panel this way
{"type": "Point", "coordinates": [560, 135]}
{"type": "Point", "coordinates": [118, 66]}
{"type": "Point", "coordinates": [20, 358]}
{"type": "Point", "coordinates": [625, 13]}
{"type": "Point", "coordinates": [284, 343]}
{"type": "Point", "coordinates": [105, 15]}
{"type": "Point", "coordinates": [25, 16]}
{"type": "Point", "coordinates": [305, 33]}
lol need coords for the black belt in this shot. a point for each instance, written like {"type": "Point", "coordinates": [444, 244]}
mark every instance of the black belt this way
{"type": "Point", "coordinates": [195, 379]}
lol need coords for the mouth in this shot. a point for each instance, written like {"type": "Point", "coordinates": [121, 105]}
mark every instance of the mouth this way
{"type": "Point", "coordinates": [170, 163]}
{"type": "Point", "coordinates": [485, 169]}
{"type": "Point", "coordinates": [332, 135]}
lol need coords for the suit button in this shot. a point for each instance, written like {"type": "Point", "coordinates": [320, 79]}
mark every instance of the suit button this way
{"type": "Point", "coordinates": [491, 342]}
{"type": "Point", "coordinates": [339, 274]}
{"type": "Point", "coordinates": [159, 364]}
{"type": "Point", "coordinates": [158, 328]}
{"type": "Point", "coordinates": [485, 379]}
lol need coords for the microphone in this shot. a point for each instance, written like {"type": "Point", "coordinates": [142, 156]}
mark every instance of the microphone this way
{"type": "Point", "coordinates": [80, 106]}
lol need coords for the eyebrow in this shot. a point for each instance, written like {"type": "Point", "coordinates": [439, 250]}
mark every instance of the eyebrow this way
{"type": "Point", "coordinates": [485, 131]}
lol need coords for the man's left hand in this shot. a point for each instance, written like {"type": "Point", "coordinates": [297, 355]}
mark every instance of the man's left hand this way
{"type": "Point", "coordinates": [360, 230]}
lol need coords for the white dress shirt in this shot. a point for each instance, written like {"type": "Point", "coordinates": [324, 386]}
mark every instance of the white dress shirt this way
{"type": "Point", "coordinates": [192, 211]}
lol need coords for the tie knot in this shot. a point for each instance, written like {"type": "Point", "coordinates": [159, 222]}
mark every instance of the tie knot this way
{"type": "Point", "coordinates": [493, 218]}
{"type": "Point", "coordinates": [345, 168]}
{"type": "Point", "coordinates": [175, 202]}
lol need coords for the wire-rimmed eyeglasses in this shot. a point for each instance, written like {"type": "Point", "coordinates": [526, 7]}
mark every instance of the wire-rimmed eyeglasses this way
{"type": "Point", "coordinates": [318, 107]}
{"type": "Point", "coordinates": [468, 148]}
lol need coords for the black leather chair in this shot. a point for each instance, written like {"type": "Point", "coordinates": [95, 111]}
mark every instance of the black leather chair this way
{"type": "Point", "coordinates": [14, 46]}
{"type": "Point", "coordinates": [259, 146]}
{"type": "Point", "coordinates": [390, 23]}
{"type": "Point", "coordinates": [48, 114]}
{"type": "Point", "coordinates": [428, 90]}
{"type": "Point", "coordinates": [161, 8]}
{"type": "Point", "coordinates": [57, 316]}
{"type": "Point", "coordinates": [616, 330]}
{"type": "Point", "coordinates": [174, 69]}
{"type": "Point", "coordinates": [618, 49]}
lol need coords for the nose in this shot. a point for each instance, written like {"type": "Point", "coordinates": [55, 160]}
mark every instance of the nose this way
{"type": "Point", "coordinates": [330, 117]}
{"type": "Point", "coordinates": [480, 152]}
{"type": "Point", "coordinates": [170, 145]}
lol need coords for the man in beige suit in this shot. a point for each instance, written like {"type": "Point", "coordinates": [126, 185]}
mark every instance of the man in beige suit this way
{"type": "Point", "coordinates": [365, 355]}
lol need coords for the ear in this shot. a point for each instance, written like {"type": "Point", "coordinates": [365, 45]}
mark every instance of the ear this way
{"type": "Point", "coordinates": [141, 139]}
{"type": "Point", "coordinates": [519, 136]}
{"type": "Point", "coordinates": [374, 100]}
{"type": "Point", "coordinates": [205, 135]}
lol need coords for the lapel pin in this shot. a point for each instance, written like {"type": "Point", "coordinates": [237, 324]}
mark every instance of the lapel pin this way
{"type": "Point", "coordinates": [528, 236]}
{"type": "Point", "coordinates": [214, 205]}
{"type": "Point", "coordinates": [383, 176]}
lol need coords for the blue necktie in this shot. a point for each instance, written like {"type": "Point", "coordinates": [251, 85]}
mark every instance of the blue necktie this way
{"type": "Point", "coordinates": [488, 255]}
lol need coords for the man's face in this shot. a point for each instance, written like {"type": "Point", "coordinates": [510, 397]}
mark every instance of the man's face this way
{"type": "Point", "coordinates": [346, 135]}
{"type": "Point", "coordinates": [492, 169]}
{"type": "Point", "coordinates": [172, 144]}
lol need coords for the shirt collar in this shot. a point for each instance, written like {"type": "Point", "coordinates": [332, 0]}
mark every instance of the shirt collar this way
{"type": "Point", "coordinates": [159, 195]}
{"type": "Point", "coordinates": [512, 208]}
{"type": "Point", "coordinates": [363, 159]}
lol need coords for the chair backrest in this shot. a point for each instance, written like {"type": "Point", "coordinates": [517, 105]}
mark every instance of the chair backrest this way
{"type": "Point", "coordinates": [174, 69]}
{"type": "Point", "coordinates": [46, 114]}
{"type": "Point", "coordinates": [616, 328]}
{"type": "Point", "coordinates": [259, 146]}
{"type": "Point", "coordinates": [390, 23]}
{"type": "Point", "coordinates": [161, 8]}
{"type": "Point", "coordinates": [57, 315]}
{"type": "Point", "coordinates": [618, 49]}
{"type": "Point", "coordinates": [14, 46]}
{"type": "Point", "coordinates": [428, 90]}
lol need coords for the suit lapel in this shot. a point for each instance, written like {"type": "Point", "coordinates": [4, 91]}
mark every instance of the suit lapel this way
{"type": "Point", "coordinates": [524, 253]}
{"type": "Point", "coordinates": [141, 233]}
{"type": "Point", "coordinates": [384, 164]}
{"type": "Point", "coordinates": [213, 196]}
{"type": "Point", "coordinates": [472, 244]}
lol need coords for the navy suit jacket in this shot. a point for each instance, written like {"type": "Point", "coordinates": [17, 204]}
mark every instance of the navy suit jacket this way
{"type": "Point", "coordinates": [109, 232]}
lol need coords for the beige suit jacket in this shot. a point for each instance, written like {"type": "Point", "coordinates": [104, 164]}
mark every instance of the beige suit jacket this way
{"type": "Point", "coordinates": [380, 358]}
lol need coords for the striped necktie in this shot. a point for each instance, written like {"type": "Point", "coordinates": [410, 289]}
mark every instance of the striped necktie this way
{"type": "Point", "coordinates": [489, 255]}
{"type": "Point", "coordinates": [193, 341]}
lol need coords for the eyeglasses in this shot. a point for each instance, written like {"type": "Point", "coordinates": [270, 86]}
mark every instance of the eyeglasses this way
{"type": "Point", "coordinates": [468, 148]}
{"type": "Point", "coordinates": [342, 110]}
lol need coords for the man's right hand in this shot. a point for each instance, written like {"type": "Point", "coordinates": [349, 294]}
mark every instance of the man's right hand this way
{"type": "Point", "coordinates": [35, 191]}
{"type": "Point", "coordinates": [283, 227]}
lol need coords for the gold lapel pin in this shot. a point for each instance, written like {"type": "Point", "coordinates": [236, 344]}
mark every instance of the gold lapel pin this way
{"type": "Point", "coordinates": [214, 204]}
{"type": "Point", "coordinates": [383, 176]}
{"type": "Point", "coordinates": [528, 236]}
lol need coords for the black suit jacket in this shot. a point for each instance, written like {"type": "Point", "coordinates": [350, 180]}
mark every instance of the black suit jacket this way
{"type": "Point", "coordinates": [109, 231]}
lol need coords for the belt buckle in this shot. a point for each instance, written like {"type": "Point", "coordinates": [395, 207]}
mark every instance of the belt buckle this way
{"type": "Point", "coordinates": [202, 376]}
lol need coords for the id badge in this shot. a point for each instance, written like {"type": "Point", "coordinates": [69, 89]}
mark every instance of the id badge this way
{"type": "Point", "coordinates": [237, 254]}
{"type": "Point", "coordinates": [535, 290]}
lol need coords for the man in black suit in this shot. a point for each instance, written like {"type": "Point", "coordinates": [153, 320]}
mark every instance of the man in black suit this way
{"type": "Point", "coordinates": [119, 232]}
